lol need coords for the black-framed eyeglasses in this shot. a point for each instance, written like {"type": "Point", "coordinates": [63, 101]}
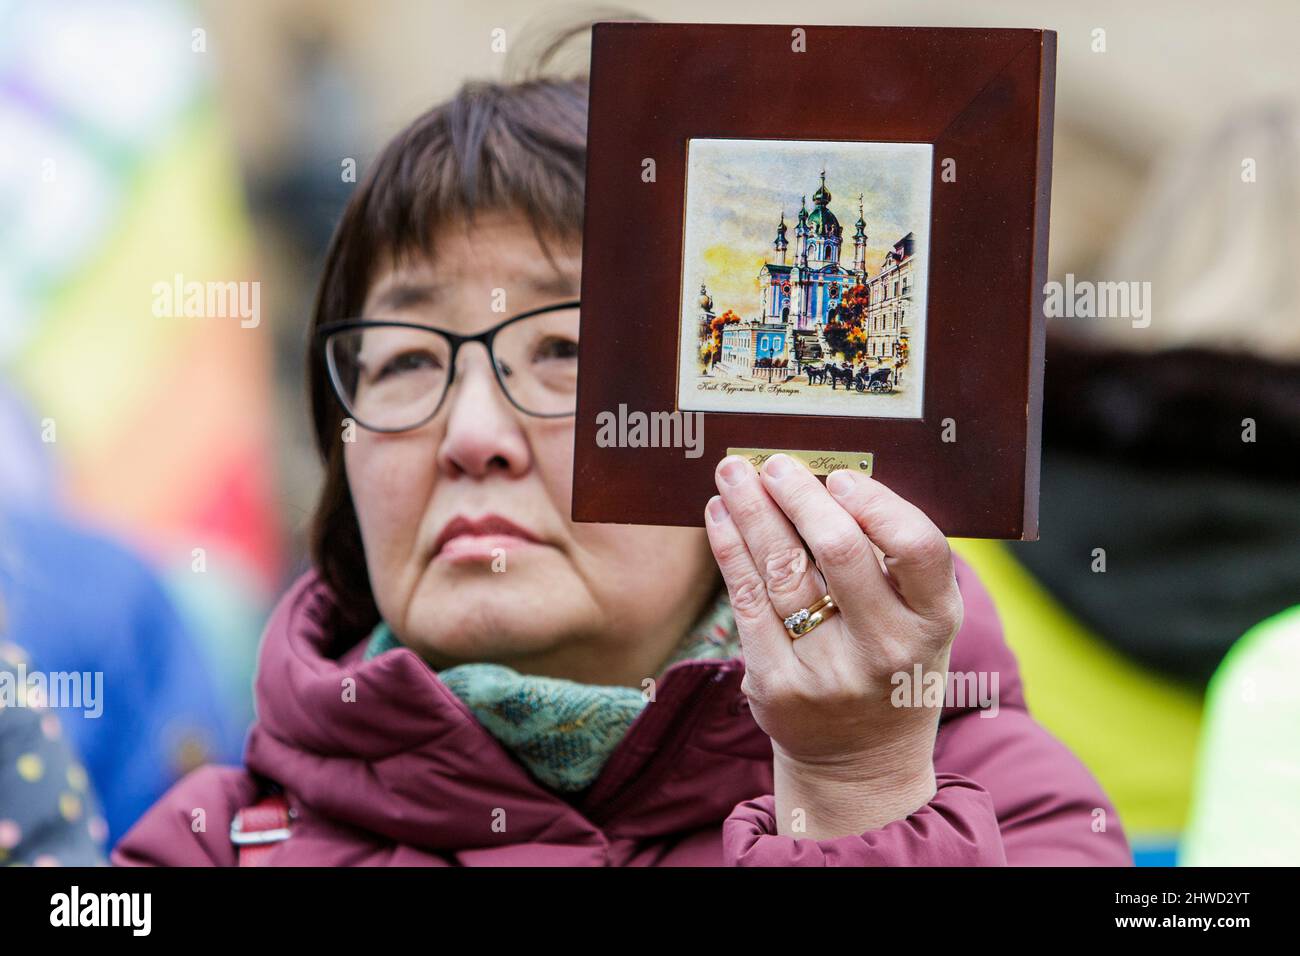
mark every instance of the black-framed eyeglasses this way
{"type": "Point", "coordinates": [393, 376]}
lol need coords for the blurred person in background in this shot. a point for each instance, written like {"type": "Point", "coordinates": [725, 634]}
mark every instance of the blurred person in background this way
{"type": "Point", "coordinates": [1174, 442]}
{"type": "Point", "coordinates": [48, 813]}
{"type": "Point", "coordinates": [1237, 317]}
{"type": "Point", "coordinates": [78, 602]}
{"type": "Point", "coordinates": [417, 707]}
{"type": "Point", "coordinates": [1170, 482]}
{"type": "Point", "coordinates": [1244, 804]}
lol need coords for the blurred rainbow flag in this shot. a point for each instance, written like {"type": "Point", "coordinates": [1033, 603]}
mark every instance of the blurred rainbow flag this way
{"type": "Point", "coordinates": [116, 175]}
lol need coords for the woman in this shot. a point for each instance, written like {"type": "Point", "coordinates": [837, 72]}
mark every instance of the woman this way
{"type": "Point", "coordinates": [469, 678]}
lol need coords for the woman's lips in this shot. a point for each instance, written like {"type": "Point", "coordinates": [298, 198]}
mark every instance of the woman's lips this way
{"type": "Point", "coordinates": [480, 547]}
{"type": "Point", "coordinates": [476, 539]}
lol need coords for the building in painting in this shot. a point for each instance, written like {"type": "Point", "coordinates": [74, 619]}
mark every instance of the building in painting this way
{"type": "Point", "coordinates": [756, 350]}
{"type": "Point", "coordinates": [800, 291]}
{"type": "Point", "coordinates": [805, 290]}
{"type": "Point", "coordinates": [889, 312]}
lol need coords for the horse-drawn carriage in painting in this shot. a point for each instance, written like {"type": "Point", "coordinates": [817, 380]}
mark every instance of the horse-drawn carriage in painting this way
{"type": "Point", "coordinates": [877, 381]}
{"type": "Point", "coordinates": [865, 380]}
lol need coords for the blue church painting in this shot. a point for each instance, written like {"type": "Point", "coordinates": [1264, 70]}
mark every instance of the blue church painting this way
{"type": "Point", "coordinates": [768, 336]}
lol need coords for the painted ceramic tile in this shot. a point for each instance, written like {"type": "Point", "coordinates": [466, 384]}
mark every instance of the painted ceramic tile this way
{"type": "Point", "coordinates": [804, 277]}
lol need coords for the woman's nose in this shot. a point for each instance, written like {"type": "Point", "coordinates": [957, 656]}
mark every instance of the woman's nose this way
{"type": "Point", "coordinates": [483, 433]}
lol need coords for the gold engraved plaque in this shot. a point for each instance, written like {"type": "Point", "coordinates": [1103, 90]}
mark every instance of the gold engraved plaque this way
{"type": "Point", "coordinates": [818, 462]}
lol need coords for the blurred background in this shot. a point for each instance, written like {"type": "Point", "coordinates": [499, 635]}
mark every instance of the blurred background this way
{"type": "Point", "coordinates": [156, 473]}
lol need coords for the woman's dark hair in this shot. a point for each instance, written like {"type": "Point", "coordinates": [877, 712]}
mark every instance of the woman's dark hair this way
{"type": "Point", "coordinates": [514, 146]}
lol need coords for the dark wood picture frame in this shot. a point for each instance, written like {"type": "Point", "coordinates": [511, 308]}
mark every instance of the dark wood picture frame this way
{"type": "Point", "coordinates": [982, 97]}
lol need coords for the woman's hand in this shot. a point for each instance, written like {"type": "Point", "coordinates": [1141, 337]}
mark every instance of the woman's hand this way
{"type": "Point", "coordinates": [846, 760]}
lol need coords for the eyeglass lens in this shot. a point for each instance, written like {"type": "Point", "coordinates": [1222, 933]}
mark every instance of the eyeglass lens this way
{"type": "Point", "coordinates": [394, 377]}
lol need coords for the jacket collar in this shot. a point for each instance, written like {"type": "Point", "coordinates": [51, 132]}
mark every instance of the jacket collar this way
{"type": "Point", "coordinates": [385, 746]}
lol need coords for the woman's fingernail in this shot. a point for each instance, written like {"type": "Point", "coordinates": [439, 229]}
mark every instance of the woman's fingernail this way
{"type": "Point", "coordinates": [778, 465]}
{"type": "Point", "coordinates": [718, 510]}
{"type": "Point", "coordinates": [840, 482]}
{"type": "Point", "coordinates": [733, 469]}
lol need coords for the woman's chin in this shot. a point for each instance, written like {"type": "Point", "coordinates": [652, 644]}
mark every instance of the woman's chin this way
{"type": "Point", "coordinates": [503, 641]}
{"type": "Point", "coordinates": [467, 612]}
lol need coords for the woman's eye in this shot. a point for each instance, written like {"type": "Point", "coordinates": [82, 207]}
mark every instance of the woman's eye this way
{"type": "Point", "coordinates": [556, 348]}
{"type": "Point", "coordinates": [407, 362]}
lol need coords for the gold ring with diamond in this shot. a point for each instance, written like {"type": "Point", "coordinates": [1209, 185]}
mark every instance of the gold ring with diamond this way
{"type": "Point", "coordinates": [806, 618]}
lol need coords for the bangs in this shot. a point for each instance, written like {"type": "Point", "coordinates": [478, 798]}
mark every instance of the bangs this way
{"type": "Point", "coordinates": [519, 148]}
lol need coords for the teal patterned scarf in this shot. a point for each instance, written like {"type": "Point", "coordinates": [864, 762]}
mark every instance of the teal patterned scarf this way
{"type": "Point", "coordinates": [563, 731]}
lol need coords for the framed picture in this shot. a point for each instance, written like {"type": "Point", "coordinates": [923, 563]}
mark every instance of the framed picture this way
{"type": "Point", "coordinates": [828, 241]}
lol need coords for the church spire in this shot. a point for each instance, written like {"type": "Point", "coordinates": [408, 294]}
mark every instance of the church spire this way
{"type": "Point", "coordinates": [860, 244]}
{"type": "Point", "coordinates": [822, 197]}
{"type": "Point", "coordinates": [801, 234]}
{"type": "Point", "coordinates": [705, 300]}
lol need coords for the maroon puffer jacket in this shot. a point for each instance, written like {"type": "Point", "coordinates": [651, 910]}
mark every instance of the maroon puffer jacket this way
{"type": "Point", "coordinates": [404, 774]}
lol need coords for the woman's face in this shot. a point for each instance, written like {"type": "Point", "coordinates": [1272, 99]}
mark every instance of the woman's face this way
{"type": "Point", "coordinates": [595, 603]}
